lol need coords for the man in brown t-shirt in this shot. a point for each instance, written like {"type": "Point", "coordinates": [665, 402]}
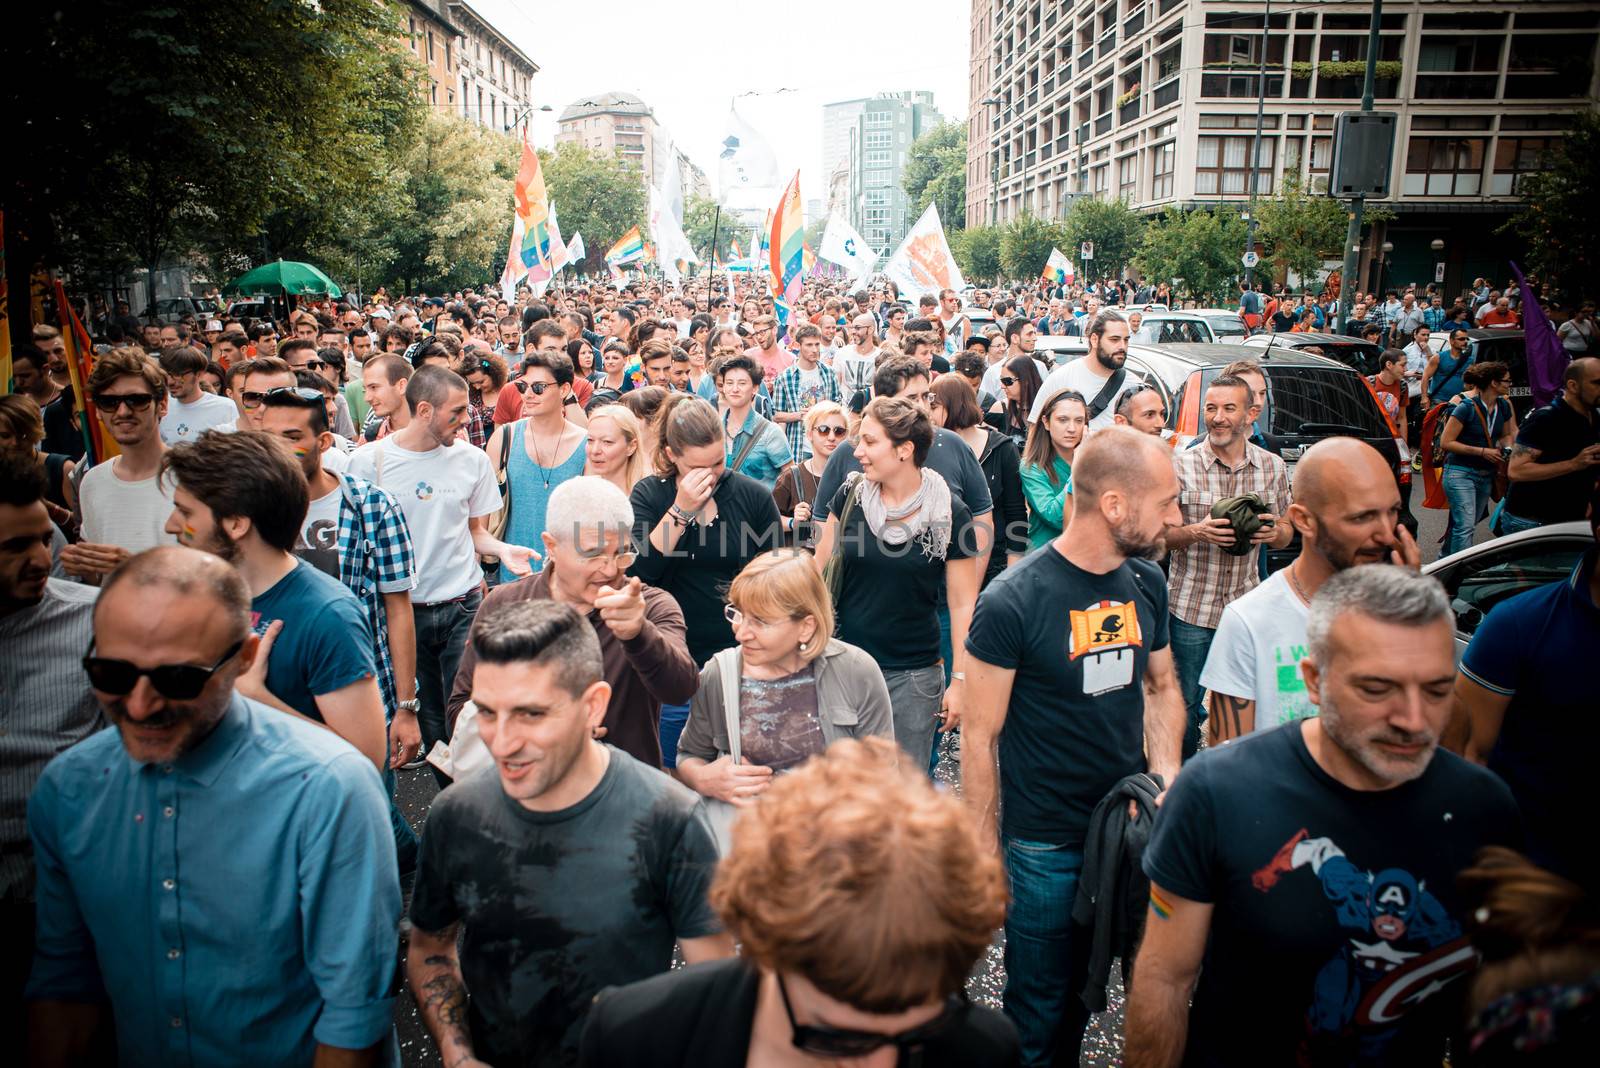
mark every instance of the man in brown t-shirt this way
{"type": "Point", "coordinates": [587, 552]}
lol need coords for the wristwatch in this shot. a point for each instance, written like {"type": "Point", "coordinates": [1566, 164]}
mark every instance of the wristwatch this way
{"type": "Point", "coordinates": [413, 705]}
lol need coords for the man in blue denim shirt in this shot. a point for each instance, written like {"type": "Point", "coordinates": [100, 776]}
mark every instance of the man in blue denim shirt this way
{"type": "Point", "coordinates": [216, 877]}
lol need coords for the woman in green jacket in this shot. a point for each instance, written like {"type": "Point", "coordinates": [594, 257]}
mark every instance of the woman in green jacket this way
{"type": "Point", "coordinates": [1047, 465]}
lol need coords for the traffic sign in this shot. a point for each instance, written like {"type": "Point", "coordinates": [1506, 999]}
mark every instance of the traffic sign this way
{"type": "Point", "coordinates": [1250, 259]}
{"type": "Point", "coordinates": [1086, 250]}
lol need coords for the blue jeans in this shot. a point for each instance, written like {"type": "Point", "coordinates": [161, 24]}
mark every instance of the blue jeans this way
{"type": "Point", "coordinates": [915, 695]}
{"type": "Point", "coordinates": [441, 635]}
{"type": "Point", "coordinates": [673, 717]}
{"type": "Point", "coordinates": [1190, 646]}
{"type": "Point", "coordinates": [1045, 965]}
{"type": "Point", "coordinates": [1512, 524]}
{"type": "Point", "coordinates": [946, 651]}
{"type": "Point", "coordinates": [1467, 489]}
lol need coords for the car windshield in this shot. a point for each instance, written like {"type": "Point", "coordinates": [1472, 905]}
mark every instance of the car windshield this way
{"type": "Point", "coordinates": [1227, 326]}
{"type": "Point", "coordinates": [1311, 400]}
{"type": "Point", "coordinates": [1170, 331]}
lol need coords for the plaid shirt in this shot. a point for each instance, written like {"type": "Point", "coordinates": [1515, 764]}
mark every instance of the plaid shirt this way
{"type": "Point", "coordinates": [480, 419]}
{"type": "Point", "coordinates": [1204, 579]}
{"type": "Point", "coordinates": [375, 558]}
{"type": "Point", "coordinates": [1434, 317]}
{"type": "Point", "coordinates": [786, 398]}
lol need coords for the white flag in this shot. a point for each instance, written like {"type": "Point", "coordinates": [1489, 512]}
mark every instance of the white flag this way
{"type": "Point", "coordinates": [672, 244]}
{"type": "Point", "coordinates": [515, 270]}
{"type": "Point", "coordinates": [923, 263]}
{"type": "Point", "coordinates": [576, 253]}
{"type": "Point", "coordinates": [747, 168]}
{"type": "Point", "coordinates": [558, 247]}
{"type": "Point", "coordinates": [842, 245]}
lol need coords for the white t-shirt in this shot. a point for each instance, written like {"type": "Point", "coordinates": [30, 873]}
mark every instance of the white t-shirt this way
{"type": "Point", "coordinates": [1077, 376]}
{"type": "Point", "coordinates": [855, 371]}
{"type": "Point", "coordinates": [336, 459]}
{"type": "Point", "coordinates": [318, 544]}
{"type": "Point", "coordinates": [991, 376]}
{"type": "Point", "coordinates": [439, 491]}
{"type": "Point", "coordinates": [185, 422]}
{"type": "Point", "coordinates": [1257, 650]}
{"type": "Point", "coordinates": [127, 514]}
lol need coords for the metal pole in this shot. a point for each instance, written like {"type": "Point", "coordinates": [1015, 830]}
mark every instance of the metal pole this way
{"type": "Point", "coordinates": [716, 230]}
{"type": "Point", "coordinates": [1352, 242]}
{"type": "Point", "coordinates": [1255, 144]}
{"type": "Point", "coordinates": [994, 165]}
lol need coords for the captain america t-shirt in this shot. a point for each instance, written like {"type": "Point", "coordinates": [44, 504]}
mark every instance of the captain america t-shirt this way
{"type": "Point", "coordinates": [1337, 934]}
{"type": "Point", "coordinates": [1078, 643]}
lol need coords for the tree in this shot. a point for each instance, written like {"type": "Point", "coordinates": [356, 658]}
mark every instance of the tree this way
{"type": "Point", "coordinates": [701, 221]}
{"type": "Point", "coordinates": [1197, 252]}
{"type": "Point", "coordinates": [977, 251]}
{"type": "Point", "coordinates": [597, 195]}
{"type": "Point", "coordinates": [1298, 230]}
{"type": "Point", "coordinates": [1114, 228]}
{"type": "Point", "coordinates": [1025, 244]}
{"type": "Point", "coordinates": [936, 171]}
{"type": "Point", "coordinates": [1560, 216]}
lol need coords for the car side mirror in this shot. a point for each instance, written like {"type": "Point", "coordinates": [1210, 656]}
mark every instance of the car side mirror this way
{"type": "Point", "coordinates": [1468, 616]}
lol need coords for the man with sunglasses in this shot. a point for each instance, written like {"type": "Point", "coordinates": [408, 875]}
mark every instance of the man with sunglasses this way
{"type": "Point", "coordinates": [1143, 409]}
{"type": "Point", "coordinates": [303, 355]}
{"type": "Point", "coordinates": [123, 500]}
{"type": "Point", "coordinates": [216, 879]}
{"type": "Point", "coordinates": [254, 379]}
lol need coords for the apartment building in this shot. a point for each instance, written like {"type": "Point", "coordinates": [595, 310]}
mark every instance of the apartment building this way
{"type": "Point", "coordinates": [431, 37]}
{"type": "Point", "coordinates": [493, 75]}
{"type": "Point", "coordinates": [876, 134]}
{"type": "Point", "coordinates": [1154, 102]}
{"type": "Point", "coordinates": [623, 124]}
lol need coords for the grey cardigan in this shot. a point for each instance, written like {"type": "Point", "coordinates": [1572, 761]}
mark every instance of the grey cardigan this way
{"type": "Point", "coordinates": [852, 702]}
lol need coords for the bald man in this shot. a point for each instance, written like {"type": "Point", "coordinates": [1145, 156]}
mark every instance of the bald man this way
{"type": "Point", "coordinates": [216, 878]}
{"type": "Point", "coordinates": [1347, 510]}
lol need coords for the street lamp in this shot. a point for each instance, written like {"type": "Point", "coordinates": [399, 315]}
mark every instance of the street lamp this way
{"type": "Point", "coordinates": [1437, 244]}
{"type": "Point", "coordinates": [523, 114]}
{"type": "Point", "coordinates": [1383, 264]}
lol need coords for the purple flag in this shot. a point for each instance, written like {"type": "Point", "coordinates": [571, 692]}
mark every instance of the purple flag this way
{"type": "Point", "coordinates": [1547, 358]}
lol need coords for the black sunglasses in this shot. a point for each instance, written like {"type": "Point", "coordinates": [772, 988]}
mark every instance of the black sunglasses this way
{"type": "Point", "coordinates": [844, 1044]}
{"type": "Point", "coordinates": [1007, 380]}
{"type": "Point", "coordinates": [179, 682]}
{"type": "Point", "coordinates": [537, 388]}
{"type": "Point", "coordinates": [299, 393]}
{"type": "Point", "coordinates": [832, 431]}
{"type": "Point", "coordinates": [136, 402]}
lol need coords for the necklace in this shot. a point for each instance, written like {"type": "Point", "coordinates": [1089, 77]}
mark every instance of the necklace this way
{"type": "Point", "coordinates": [1294, 581]}
{"type": "Point", "coordinates": [546, 473]}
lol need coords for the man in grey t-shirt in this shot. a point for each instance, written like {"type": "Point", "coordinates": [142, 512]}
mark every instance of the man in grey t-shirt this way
{"type": "Point", "coordinates": [571, 868]}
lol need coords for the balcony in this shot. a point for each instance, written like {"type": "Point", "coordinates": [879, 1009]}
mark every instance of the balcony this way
{"type": "Point", "coordinates": [1129, 111]}
{"type": "Point", "coordinates": [1108, 44]}
{"type": "Point", "coordinates": [1164, 94]}
{"type": "Point", "coordinates": [1133, 25]}
{"type": "Point", "coordinates": [1102, 125]}
{"type": "Point", "coordinates": [1085, 58]}
{"type": "Point", "coordinates": [1082, 133]}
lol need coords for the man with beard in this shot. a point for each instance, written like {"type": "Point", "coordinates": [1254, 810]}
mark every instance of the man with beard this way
{"type": "Point", "coordinates": [1071, 688]}
{"type": "Point", "coordinates": [216, 879]}
{"type": "Point", "coordinates": [1312, 868]}
{"type": "Point", "coordinates": [1210, 566]}
{"type": "Point", "coordinates": [1098, 374]}
{"type": "Point", "coordinates": [316, 647]}
{"type": "Point", "coordinates": [623, 855]}
{"type": "Point", "coordinates": [1347, 510]}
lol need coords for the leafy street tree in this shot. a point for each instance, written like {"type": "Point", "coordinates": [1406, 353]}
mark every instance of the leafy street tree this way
{"type": "Point", "coordinates": [596, 195]}
{"type": "Point", "coordinates": [1114, 228]}
{"type": "Point", "coordinates": [1560, 218]}
{"type": "Point", "coordinates": [1298, 231]}
{"type": "Point", "coordinates": [1025, 244]}
{"type": "Point", "coordinates": [936, 170]}
{"type": "Point", "coordinates": [977, 251]}
{"type": "Point", "coordinates": [700, 223]}
{"type": "Point", "coordinates": [1195, 251]}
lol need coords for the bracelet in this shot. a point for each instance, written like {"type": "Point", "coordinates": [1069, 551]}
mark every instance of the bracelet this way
{"type": "Point", "coordinates": [958, 676]}
{"type": "Point", "coordinates": [413, 705]}
{"type": "Point", "coordinates": [683, 518]}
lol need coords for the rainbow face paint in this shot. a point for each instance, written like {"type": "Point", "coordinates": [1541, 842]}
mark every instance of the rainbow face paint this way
{"type": "Point", "coordinates": [188, 535]}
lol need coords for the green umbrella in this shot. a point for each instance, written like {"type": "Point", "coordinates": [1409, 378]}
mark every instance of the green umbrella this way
{"type": "Point", "coordinates": [285, 277]}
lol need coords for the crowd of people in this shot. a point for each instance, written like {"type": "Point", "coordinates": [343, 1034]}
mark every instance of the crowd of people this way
{"type": "Point", "coordinates": [681, 594]}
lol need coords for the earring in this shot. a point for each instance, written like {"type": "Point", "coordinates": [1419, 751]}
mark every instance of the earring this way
{"type": "Point", "coordinates": [802, 647]}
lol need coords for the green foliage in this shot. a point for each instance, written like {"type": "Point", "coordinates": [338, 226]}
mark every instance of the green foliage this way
{"type": "Point", "coordinates": [597, 195]}
{"type": "Point", "coordinates": [1298, 230]}
{"type": "Point", "coordinates": [1025, 244]}
{"type": "Point", "coordinates": [1560, 216]}
{"type": "Point", "coordinates": [936, 171]}
{"type": "Point", "coordinates": [1349, 68]}
{"type": "Point", "coordinates": [1202, 248]}
{"type": "Point", "coordinates": [1114, 228]}
{"type": "Point", "coordinates": [977, 252]}
{"type": "Point", "coordinates": [700, 222]}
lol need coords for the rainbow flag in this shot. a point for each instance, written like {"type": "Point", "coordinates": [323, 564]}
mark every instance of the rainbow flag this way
{"type": "Point", "coordinates": [786, 243]}
{"type": "Point", "coordinates": [629, 247]}
{"type": "Point", "coordinates": [1057, 269]}
{"type": "Point", "coordinates": [80, 359]}
{"type": "Point", "coordinates": [532, 203]}
{"type": "Point", "coordinates": [733, 247]}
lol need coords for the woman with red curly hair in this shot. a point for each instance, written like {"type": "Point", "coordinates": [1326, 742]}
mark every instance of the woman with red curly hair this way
{"type": "Point", "coordinates": [862, 898]}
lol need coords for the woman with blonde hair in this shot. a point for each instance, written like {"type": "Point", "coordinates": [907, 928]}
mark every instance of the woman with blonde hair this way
{"type": "Point", "coordinates": [616, 447]}
{"type": "Point", "coordinates": [862, 897]}
{"type": "Point", "coordinates": [21, 430]}
{"type": "Point", "coordinates": [826, 427]}
{"type": "Point", "coordinates": [785, 693]}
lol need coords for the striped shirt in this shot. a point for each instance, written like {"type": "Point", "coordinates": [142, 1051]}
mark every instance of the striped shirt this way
{"type": "Point", "coordinates": [47, 706]}
{"type": "Point", "coordinates": [1204, 579]}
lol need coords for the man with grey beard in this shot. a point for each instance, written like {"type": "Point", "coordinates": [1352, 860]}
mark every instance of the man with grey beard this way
{"type": "Point", "coordinates": [1312, 867]}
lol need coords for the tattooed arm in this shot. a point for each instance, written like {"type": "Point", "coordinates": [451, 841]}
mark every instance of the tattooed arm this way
{"type": "Point", "coordinates": [435, 974]}
{"type": "Point", "coordinates": [1231, 717]}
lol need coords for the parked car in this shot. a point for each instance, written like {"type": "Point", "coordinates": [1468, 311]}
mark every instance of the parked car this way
{"type": "Point", "coordinates": [1225, 325]}
{"type": "Point", "coordinates": [1173, 328]}
{"type": "Point", "coordinates": [978, 317]}
{"type": "Point", "coordinates": [250, 309]}
{"type": "Point", "coordinates": [1309, 398]}
{"type": "Point", "coordinates": [1350, 351]}
{"type": "Point", "coordinates": [1480, 577]}
{"type": "Point", "coordinates": [176, 309]}
{"type": "Point", "coordinates": [1509, 347]}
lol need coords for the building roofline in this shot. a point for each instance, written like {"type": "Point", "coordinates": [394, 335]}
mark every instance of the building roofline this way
{"type": "Point", "coordinates": [434, 10]}
{"type": "Point", "coordinates": [505, 43]}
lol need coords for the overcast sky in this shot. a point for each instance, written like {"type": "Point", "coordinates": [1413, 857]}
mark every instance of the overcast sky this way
{"type": "Point", "coordinates": [687, 60]}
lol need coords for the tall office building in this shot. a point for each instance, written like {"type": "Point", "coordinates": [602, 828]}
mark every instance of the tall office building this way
{"type": "Point", "coordinates": [869, 140]}
{"type": "Point", "coordinates": [1154, 101]}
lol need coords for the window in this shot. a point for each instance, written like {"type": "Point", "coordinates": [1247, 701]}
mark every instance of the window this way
{"type": "Point", "coordinates": [879, 139]}
{"type": "Point", "coordinates": [1101, 175]}
{"type": "Point", "coordinates": [878, 118]}
{"type": "Point", "coordinates": [1514, 157]}
{"type": "Point", "coordinates": [1163, 161]}
{"type": "Point", "coordinates": [877, 197]}
{"type": "Point", "coordinates": [1444, 167]}
{"type": "Point", "coordinates": [1128, 178]}
{"type": "Point", "coordinates": [878, 158]}
{"type": "Point", "coordinates": [1223, 165]}
{"type": "Point", "coordinates": [430, 47]}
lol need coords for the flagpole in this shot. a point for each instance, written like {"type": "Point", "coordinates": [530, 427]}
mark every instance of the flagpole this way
{"type": "Point", "coordinates": [716, 229]}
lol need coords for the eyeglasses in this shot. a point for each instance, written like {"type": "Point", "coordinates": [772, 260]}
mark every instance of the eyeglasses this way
{"type": "Point", "coordinates": [1007, 380]}
{"type": "Point", "coordinates": [832, 431]}
{"type": "Point", "coordinates": [536, 388]}
{"type": "Point", "coordinates": [251, 398]}
{"type": "Point", "coordinates": [136, 402]}
{"type": "Point", "coordinates": [622, 559]}
{"type": "Point", "coordinates": [739, 619]}
{"type": "Point", "coordinates": [312, 365]}
{"type": "Point", "coordinates": [842, 1044]}
{"type": "Point", "coordinates": [179, 682]}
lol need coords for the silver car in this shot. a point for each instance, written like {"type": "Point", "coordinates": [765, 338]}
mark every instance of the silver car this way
{"type": "Point", "coordinates": [1480, 577]}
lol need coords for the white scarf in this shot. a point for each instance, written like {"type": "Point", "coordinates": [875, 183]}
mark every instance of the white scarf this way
{"type": "Point", "coordinates": [926, 518]}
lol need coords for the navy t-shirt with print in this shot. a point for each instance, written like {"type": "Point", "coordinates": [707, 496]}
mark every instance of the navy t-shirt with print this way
{"type": "Point", "coordinates": [1079, 644]}
{"type": "Point", "coordinates": [325, 644]}
{"type": "Point", "coordinates": [1336, 929]}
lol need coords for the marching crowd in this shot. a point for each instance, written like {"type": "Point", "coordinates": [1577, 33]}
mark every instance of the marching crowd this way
{"type": "Point", "coordinates": [680, 593]}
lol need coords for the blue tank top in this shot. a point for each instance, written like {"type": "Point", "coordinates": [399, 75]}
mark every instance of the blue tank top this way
{"type": "Point", "coordinates": [531, 486]}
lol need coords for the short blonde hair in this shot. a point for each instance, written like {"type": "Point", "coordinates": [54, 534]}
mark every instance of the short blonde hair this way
{"type": "Point", "coordinates": [784, 584]}
{"type": "Point", "coordinates": [854, 872]}
{"type": "Point", "coordinates": [820, 411]}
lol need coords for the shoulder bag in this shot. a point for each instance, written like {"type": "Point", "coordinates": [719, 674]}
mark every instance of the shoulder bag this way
{"type": "Point", "coordinates": [833, 570]}
{"type": "Point", "coordinates": [1107, 394]}
{"type": "Point", "coordinates": [1500, 477]}
{"type": "Point", "coordinates": [723, 813]}
{"type": "Point", "coordinates": [500, 519]}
